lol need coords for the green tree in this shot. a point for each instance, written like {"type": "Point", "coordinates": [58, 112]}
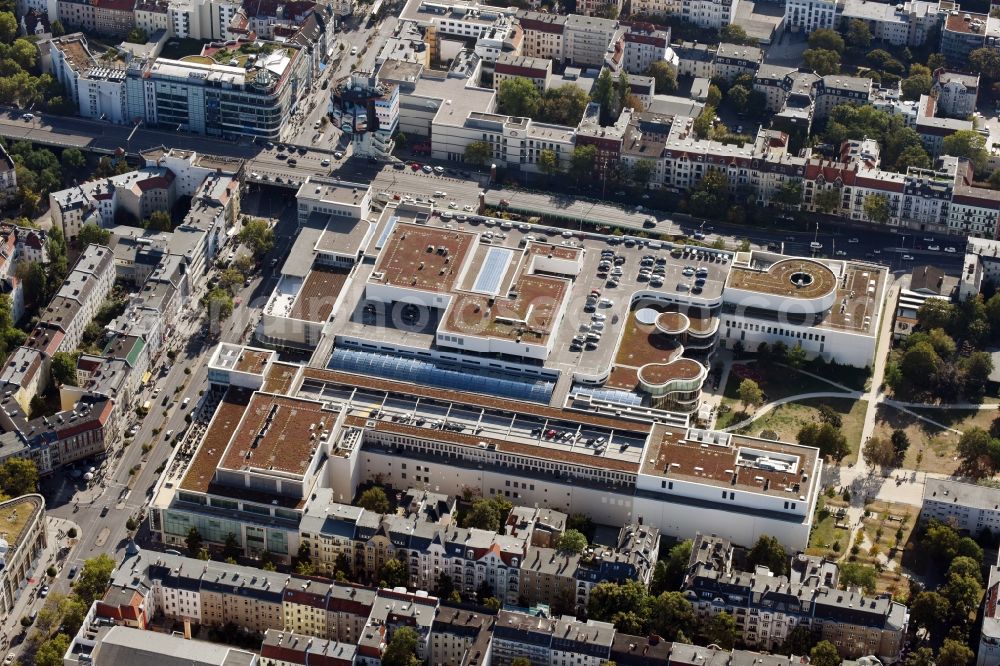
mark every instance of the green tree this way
{"type": "Point", "coordinates": [977, 368]}
{"type": "Point", "coordinates": [954, 653]}
{"type": "Point", "coordinates": [824, 654]}
{"type": "Point", "coordinates": [402, 648]}
{"type": "Point", "coordinates": [930, 611]}
{"type": "Point", "coordinates": [665, 75]}
{"type": "Point", "coordinates": [571, 542]}
{"type": "Point", "coordinates": [91, 234]}
{"type": "Point", "coordinates": [374, 499]}
{"type": "Point", "coordinates": [8, 27]}
{"type": "Point", "coordinates": [923, 656]}
{"type": "Point", "coordinates": [72, 611]}
{"type": "Point", "coordinates": [714, 97]}
{"type": "Point", "coordinates": [487, 514]}
{"type": "Point", "coordinates": [63, 367]}
{"type": "Point", "coordinates": [876, 207]}
{"type": "Point", "coordinates": [258, 236]}
{"type": "Point", "coordinates": [668, 574]}
{"type": "Point", "coordinates": [57, 28]}
{"type": "Point", "coordinates": [563, 105]}
{"type": "Point", "coordinates": [50, 653]}
{"type": "Point", "coordinates": [18, 476]}
{"type": "Point", "coordinates": [739, 98]}
{"type": "Point", "coordinates": [822, 61]}
{"type": "Point", "coordinates": [750, 394]}
{"type": "Point", "coordinates": [858, 35]}
{"type": "Point", "coordinates": [704, 123]}
{"type": "Point", "coordinates": [231, 280]}
{"type": "Point", "coordinates": [548, 162]}
{"type": "Point", "coordinates": [32, 276]}
{"type": "Point", "coordinates": [878, 451]}
{"type": "Point", "coordinates": [608, 599]}
{"type": "Point", "coordinates": [394, 573]}
{"type": "Point", "coordinates": [478, 153]}
{"type": "Point", "coordinates": [92, 581]}
{"type": "Point", "coordinates": [445, 586]}
{"type": "Point", "coordinates": [936, 313]}
{"type": "Point", "coordinates": [800, 640]}
{"type": "Point", "coordinates": [912, 156]}
{"type": "Point", "coordinates": [642, 172]}
{"type": "Point", "coordinates": [24, 53]}
{"type": "Point", "coordinates": [858, 575]}
{"type": "Point", "coordinates": [710, 196]}
{"type": "Point", "coordinates": [73, 158]}
{"type": "Point", "coordinates": [825, 38]}
{"type": "Point", "coordinates": [721, 630]}
{"type": "Point", "coordinates": [520, 661]}
{"type": "Point", "coordinates": [158, 220]}
{"type": "Point", "coordinates": [967, 143]}
{"type": "Point", "coordinates": [829, 440]}
{"type": "Point", "coordinates": [735, 34]}
{"type": "Point", "coordinates": [603, 92]}
{"type": "Point", "coordinates": [137, 36]}
{"type": "Point", "coordinates": [218, 304]}
{"type": "Point", "coordinates": [986, 61]}
{"type": "Point", "coordinates": [519, 97]}
{"type": "Point", "coordinates": [583, 161]}
{"type": "Point", "coordinates": [768, 552]}
{"type": "Point", "coordinates": [918, 83]}
{"type": "Point", "coordinates": [671, 613]}
{"type": "Point", "coordinates": [193, 541]}
{"type": "Point", "coordinates": [828, 200]}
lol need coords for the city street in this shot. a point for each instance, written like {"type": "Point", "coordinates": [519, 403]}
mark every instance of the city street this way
{"type": "Point", "coordinates": [125, 480]}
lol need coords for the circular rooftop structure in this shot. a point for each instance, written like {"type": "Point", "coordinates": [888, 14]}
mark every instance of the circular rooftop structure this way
{"type": "Point", "coordinates": [646, 316]}
{"type": "Point", "coordinates": [682, 374]}
{"type": "Point", "coordinates": [809, 284]}
{"type": "Point", "coordinates": [672, 323]}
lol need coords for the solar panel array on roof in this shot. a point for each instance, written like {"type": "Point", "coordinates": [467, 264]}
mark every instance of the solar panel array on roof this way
{"type": "Point", "coordinates": [384, 236]}
{"type": "Point", "coordinates": [617, 396]}
{"type": "Point", "coordinates": [492, 271]}
{"type": "Point", "coordinates": [435, 374]}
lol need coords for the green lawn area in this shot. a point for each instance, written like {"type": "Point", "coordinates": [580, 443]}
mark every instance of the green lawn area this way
{"type": "Point", "coordinates": [825, 532]}
{"type": "Point", "coordinates": [786, 420]}
{"type": "Point", "coordinates": [936, 445]}
{"type": "Point", "coordinates": [787, 382]}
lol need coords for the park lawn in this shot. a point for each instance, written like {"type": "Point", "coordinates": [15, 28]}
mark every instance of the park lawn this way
{"type": "Point", "coordinates": [784, 382]}
{"type": "Point", "coordinates": [937, 444]}
{"type": "Point", "coordinates": [786, 420]}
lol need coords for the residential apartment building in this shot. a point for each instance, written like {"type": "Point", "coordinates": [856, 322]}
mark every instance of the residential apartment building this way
{"type": "Point", "coordinates": [956, 93]}
{"type": "Point", "coordinates": [963, 32]}
{"type": "Point", "coordinates": [543, 34]}
{"type": "Point", "coordinates": [810, 15]}
{"type": "Point", "coordinates": [733, 60]}
{"type": "Point", "coordinates": [645, 44]}
{"type": "Point", "coordinates": [536, 70]}
{"type": "Point", "coordinates": [767, 608]}
{"type": "Point", "coordinates": [833, 90]}
{"type": "Point", "coordinates": [102, 17]}
{"type": "Point", "coordinates": [711, 14]}
{"type": "Point", "coordinates": [989, 637]}
{"type": "Point", "coordinates": [907, 23]}
{"type": "Point", "coordinates": [586, 39]}
{"type": "Point", "coordinates": [967, 507]}
{"type": "Point", "coordinates": [550, 642]}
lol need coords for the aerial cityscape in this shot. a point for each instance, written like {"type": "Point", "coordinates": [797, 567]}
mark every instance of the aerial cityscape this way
{"type": "Point", "coordinates": [500, 333]}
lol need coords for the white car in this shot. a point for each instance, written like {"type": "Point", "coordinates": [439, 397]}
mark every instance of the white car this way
{"type": "Point", "coordinates": [452, 205]}
{"type": "Point", "coordinates": [325, 163]}
{"type": "Point", "coordinates": [950, 250]}
{"type": "Point", "coordinates": [907, 257]}
{"type": "Point", "coordinates": [439, 170]}
{"type": "Point", "coordinates": [599, 317]}
{"type": "Point", "coordinates": [354, 50]}
{"type": "Point", "coordinates": [467, 208]}
{"type": "Point", "coordinates": [840, 253]}
{"type": "Point", "coordinates": [853, 241]}
{"type": "Point", "coordinates": [933, 248]}
{"type": "Point", "coordinates": [338, 155]}
{"type": "Point", "coordinates": [815, 246]}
